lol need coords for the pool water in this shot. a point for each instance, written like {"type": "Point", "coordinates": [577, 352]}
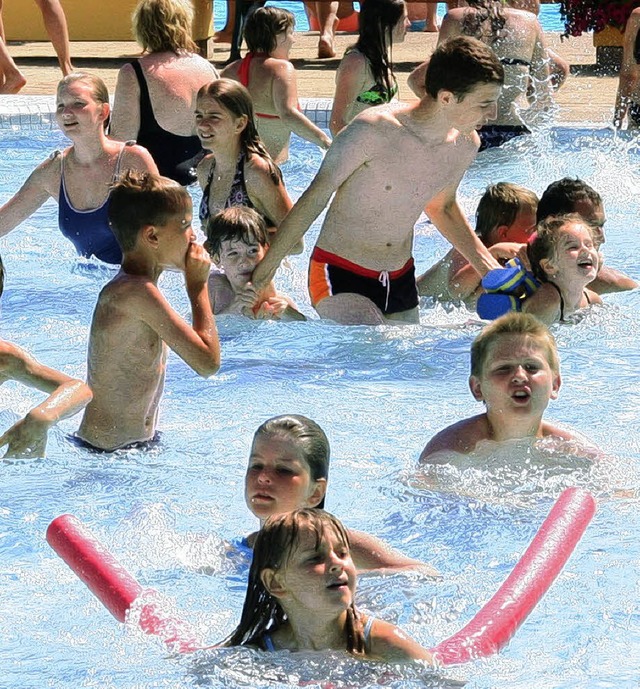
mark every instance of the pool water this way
{"type": "Point", "coordinates": [549, 14]}
{"type": "Point", "coordinates": [380, 393]}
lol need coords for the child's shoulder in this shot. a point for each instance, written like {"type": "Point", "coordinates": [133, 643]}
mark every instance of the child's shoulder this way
{"type": "Point", "coordinates": [544, 303]}
{"type": "Point", "coordinates": [388, 642]}
{"type": "Point", "coordinates": [461, 437]}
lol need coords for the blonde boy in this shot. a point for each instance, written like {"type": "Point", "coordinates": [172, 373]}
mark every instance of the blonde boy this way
{"type": "Point", "coordinates": [515, 371]}
{"type": "Point", "coordinates": [133, 324]}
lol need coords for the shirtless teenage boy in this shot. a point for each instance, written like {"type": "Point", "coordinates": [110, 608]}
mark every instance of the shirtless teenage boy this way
{"type": "Point", "coordinates": [133, 323]}
{"type": "Point", "coordinates": [384, 167]}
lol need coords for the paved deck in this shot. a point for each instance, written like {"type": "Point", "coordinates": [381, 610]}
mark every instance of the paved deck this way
{"type": "Point", "coordinates": [587, 96]}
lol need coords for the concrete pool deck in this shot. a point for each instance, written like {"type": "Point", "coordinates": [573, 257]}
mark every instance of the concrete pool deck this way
{"type": "Point", "coordinates": [587, 97]}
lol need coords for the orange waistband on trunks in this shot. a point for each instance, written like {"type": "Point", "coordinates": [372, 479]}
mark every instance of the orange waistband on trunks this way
{"type": "Point", "coordinates": [322, 256]}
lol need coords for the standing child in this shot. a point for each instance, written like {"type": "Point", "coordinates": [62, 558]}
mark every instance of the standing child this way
{"type": "Point", "coordinates": [300, 594]}
{"type": "Point", "coordinates": [515, 371]}
{"type": "Point", "coordinates": [133, 323]}
{"type": "Point", "coordinates": [289, 469]}
{"type": "Point", "coordinates": [237, 240]}
{"type": "Point", "coordinates": [564, 257]}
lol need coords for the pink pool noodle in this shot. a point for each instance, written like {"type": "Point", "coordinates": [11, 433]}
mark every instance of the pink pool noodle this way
{"type": "Point", "coordinates": [498, 620]}
{"type": "Point", "coordinates": [112, 585]}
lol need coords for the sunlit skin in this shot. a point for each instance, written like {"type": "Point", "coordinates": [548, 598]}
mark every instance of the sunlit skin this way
{"type": "Point", "coordinates": [516, 385]}
{"type": "Point", "coordinates": [77, 109]}
{"type": "Point", "coordinates": [521, 229]}
{"type": "Point", "coordinates": [399, 32]}
{"type": "Point", "coordinates": [475, 109]}
{"type": "Point", "coordinates": [238, 260]}
{"type": "Point", "coordinates": [575, 259]}
{"type": "Point", "coordinates": [216, 126]}
{"type": "Point", "coordinates": [177, 235]}
{"type": "Point", "coordinates": [315, 586]}
{"type": "Point", "coordinates": [278, 478]}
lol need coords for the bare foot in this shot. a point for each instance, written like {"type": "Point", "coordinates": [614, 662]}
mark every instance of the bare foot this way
{"type": "Point", "coordinates": [13, 83]}
{"type": "Point", "coordinates": [325, 48]}
{"type": "Point", "coordinates": [222, 37]}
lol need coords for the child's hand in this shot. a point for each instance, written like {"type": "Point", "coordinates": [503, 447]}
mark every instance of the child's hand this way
{"type": "Point", "coordinates": [272, 308]}
{"type": "Point", "coordinates": [197, 266]}
{"type": "Point", "coordinates": [244, 301]}
{"type": "Point", "coordinates": [26, 438]}
{"type": "Point", "coordinates": [504, 251]}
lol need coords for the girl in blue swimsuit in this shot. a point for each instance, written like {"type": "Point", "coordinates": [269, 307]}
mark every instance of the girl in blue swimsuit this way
{"type": "Point", "coordinates": [79, 178]}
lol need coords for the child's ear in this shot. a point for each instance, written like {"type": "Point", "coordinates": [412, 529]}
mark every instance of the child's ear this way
{"type": "Point", "coordinates": [271, 580]}
{"type": "Point", "coordinates": [548, 266]}
{"type": "Point", "coordinates": [241, 123]}
{"type": "Point", "coordinates": [476, 388]}
{"type": "Point", "coordinates": [445, 97]}
{"type": "Point", "coordinates": [502, 232]}
{"type": "Point", "coordinates": [555, 389]}
{"type": "Point", "coordinates": [149, 235]}
{"type": "Point", "coordinates": [318, 494]}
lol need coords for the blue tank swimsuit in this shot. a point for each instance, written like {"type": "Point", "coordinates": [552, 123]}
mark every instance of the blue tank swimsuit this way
{"type": "Point", "coordinates": [89, 230]}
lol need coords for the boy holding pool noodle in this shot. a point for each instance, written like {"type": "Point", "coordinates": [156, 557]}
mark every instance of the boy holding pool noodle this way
{"type": "Point", "coordinates": [515, 371]}
{"type": "Point", "coordinates": [67, 396]}
{"type": "Point", "coordinates": [133, 323]}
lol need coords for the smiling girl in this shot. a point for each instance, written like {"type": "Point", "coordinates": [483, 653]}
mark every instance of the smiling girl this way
{"type": "Point", "coordinates": [79, 177]}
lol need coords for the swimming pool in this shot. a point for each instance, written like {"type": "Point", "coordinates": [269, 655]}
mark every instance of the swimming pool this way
{"type": "Point", "coordinates": [549, 14]}
{"type": "Point", "coordinates": [380, 393]}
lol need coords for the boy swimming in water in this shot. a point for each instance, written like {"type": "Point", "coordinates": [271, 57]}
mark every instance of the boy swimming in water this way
{"type": "Point", "coordinates": [237, 240]}
{"type": "Point", "coordinates": [505, 218]}
{"type": "Point", "coordinates": [67, 396]}
{"type": "Point", "coordinates": [133, 324]}
{"type": "Point", "coordinates": [515, 371]}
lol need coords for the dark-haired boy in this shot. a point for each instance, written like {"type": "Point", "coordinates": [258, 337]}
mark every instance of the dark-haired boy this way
{"type": "Point", "coordinates": [133, 324]}
{"type": "Point", "coordinates": [384, 167]}
{"type": "Point", "coordinates": [237, 240]}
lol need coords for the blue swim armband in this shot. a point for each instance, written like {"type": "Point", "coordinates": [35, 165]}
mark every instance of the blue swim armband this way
{"type": "Point", "coordinates": [505, 290]}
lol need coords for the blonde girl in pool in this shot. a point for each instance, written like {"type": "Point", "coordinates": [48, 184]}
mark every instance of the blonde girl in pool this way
{"type": "Point", "coordinates": [300, 594]}
{"type": "Point", "coordinates": [288, 469]}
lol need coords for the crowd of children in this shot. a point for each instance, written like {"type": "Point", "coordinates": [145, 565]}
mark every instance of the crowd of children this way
{"type": "Point", "coordinates": [303, 574]}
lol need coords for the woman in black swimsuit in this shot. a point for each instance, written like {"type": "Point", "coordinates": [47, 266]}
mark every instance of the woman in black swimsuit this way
{"type": "Point", "coordinates": [155, 94]}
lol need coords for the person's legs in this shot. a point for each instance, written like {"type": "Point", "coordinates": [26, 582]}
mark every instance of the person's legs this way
{"type": "Point", "coordinates": [432, 23]}
{"type": "Point", "coordinates": [12, 78]}
{"type": "Point", "coordinates": [327, 14]}
{"type": "Point", "coordinates": [55, 24]}
{"type": "Point", "coordinates": [225, 34]}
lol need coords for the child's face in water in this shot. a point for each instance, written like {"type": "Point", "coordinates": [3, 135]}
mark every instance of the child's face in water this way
{"type": "Point", "coordinates": [575, 255]}
{"type": "Point", "coordinates": [318, 576]}
{"type": "Point", "coordinates": [238, 259]}
{"type": "Point", "coordinates": [516, 379]}
{"type": "Point", "coordinates": [278, 478]}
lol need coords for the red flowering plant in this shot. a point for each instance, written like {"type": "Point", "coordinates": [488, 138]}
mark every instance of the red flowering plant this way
{"type": "Point", "coordinates": [594, 15]}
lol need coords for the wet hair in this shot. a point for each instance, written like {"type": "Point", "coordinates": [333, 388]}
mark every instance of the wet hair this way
{"type": "Point", "coordinates": [561, 196]}
{"type": "Point", "coordinates": [459, 65]}
{"type": "Point", "coordinates": [500, 205]}
{"type": "Point", "coordinates": [164, 25]}
{"type": "Point", "coordinates": [544, 241]}
{"type": "Point", "coordinates": [238, 223]}
{"type": "Point", "coordinates": [513, 323]}
{"type": "Point", "coordinates": [99, 89]}
{"type": "Point", "coordinates": [141, 198]}
{"type": "Point", "coordinates": [487, 13]}
{"type": "Point", "coordinates": [307, 435]}
{"type": "Point", "coordinates": [263, 26]}
{"type": "Point", "coordinates": [235, 98]}
{"type": "Point", "coordinates": [376, 22]}
{"type": "Point", "coordinates": [262, 613]}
